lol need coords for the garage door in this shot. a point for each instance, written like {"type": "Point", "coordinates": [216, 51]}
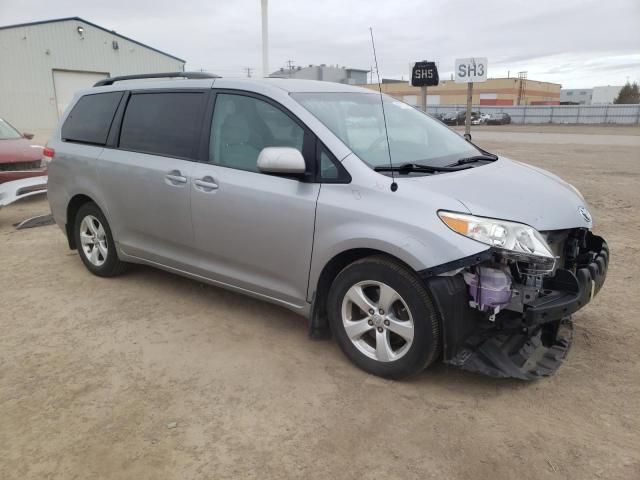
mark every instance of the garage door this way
{"type": "Point", "coordinates": [67, 83]}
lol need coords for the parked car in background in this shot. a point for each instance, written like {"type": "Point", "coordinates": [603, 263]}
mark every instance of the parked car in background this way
{"type": "Point", "coordinates": [499, 119]}
{"type": "Point", "coordinates": [18, 157]}
{"type": "Point", "coordinates": [454, 118]}
{"type": "Point", "coordinates": [475, 118]}
{"type": "Point", "coordinates": [407, 243]}
{"type": "Point", "coordinates": [480, 118]}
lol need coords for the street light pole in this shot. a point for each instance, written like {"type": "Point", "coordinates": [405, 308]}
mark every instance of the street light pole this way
{"type": "Point", "coordinates": [265, 39]}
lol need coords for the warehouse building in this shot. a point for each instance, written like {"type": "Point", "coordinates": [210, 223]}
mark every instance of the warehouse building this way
{"type": "Point", "coordinates": [326, 73]}
{"type": "Point", "coordinates": [44, 63]}
{"type": "Point", "coordinates": [495, 91]}
{"type": "Point", "coordinates": [604, 95]}
{"type": "Point", "coordinates": [576, 96]}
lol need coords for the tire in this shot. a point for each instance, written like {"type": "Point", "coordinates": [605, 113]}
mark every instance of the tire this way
{"type": "Point", "coordinates": [98, 253]}
{"type": "Point", "coordinates": [382, 343]}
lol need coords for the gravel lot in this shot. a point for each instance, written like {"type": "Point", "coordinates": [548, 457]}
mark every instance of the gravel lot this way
{"type": "Point", "coordinates": [153, 376]}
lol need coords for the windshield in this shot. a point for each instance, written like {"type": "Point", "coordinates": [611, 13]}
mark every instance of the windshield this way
{"type": "Point", "coordinates": [356, 118]}
{"type": "Point", "coordinates": [7, 132]}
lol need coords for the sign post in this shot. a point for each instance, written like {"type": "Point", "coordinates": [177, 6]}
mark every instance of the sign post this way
{"type": "Point", "coordinates": [467, 119]}
{"type": "Point", "coordinates": [470, 71]}
{"type": "Point", "coordinates": [424, 74]}
{"type": "Point", "coordinates": [423, 98]}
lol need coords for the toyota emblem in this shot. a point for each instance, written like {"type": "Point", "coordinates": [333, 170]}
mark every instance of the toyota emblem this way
{"type": "Point", "coordinates": [585, 214]}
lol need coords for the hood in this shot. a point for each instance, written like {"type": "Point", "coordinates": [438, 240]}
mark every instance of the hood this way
{"type": "Point", "coordinates": [19, 150]}
{"type": "Point", "coordinates": [514, 191]}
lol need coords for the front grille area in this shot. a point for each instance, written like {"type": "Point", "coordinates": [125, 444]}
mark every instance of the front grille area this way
{"type": "Point", "coordinates": [18, 166]}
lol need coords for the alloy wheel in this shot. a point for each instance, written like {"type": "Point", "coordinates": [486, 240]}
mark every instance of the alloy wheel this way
{"type": "Point", "coordinates": [94, 240]}
{"type": "Point", "coordinates": [377, 320]}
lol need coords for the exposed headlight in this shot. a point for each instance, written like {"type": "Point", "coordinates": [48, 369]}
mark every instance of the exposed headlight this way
{"type": "Point", "coordinates": [514, 240]}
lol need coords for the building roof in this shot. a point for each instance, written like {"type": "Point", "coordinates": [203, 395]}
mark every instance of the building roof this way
{"type": "Point", "coordinates": [299, 68]}
{"type": "Point", "coordinates": [78, 19]}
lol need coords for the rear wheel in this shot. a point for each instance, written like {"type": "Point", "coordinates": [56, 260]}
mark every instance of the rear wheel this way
{"type": "Point", "coordinates": [95, 242]}
{"type": "Point", "coordinates": [383, 318]}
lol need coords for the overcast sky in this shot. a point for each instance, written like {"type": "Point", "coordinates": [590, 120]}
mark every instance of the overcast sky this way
{"type": "Point", "coordinates": [578, 43]}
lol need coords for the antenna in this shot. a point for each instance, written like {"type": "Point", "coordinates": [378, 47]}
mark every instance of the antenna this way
{"type": "Point", "coordinates": [394, 185]}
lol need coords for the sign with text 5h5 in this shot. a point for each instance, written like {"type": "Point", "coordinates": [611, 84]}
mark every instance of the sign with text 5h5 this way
{"type": "Point", "coordinates": [471, 70]}
{"type": "Point", "coordinates": [424, 74]}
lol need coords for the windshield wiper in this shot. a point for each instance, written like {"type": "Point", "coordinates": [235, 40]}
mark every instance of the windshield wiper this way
{"type": "Point", "coordinates": [488, 157]}
{"type": "Point", "coordinates": [416, 167]}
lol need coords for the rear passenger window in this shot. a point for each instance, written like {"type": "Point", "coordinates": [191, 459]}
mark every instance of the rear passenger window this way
{"type": "Point", "coordinates": [90, 118]}
{"type": "Point", "coordinates": [163, 123]}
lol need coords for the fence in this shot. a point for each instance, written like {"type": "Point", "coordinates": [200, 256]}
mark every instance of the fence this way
{"type": "Point", "coordinates": [570, 114]}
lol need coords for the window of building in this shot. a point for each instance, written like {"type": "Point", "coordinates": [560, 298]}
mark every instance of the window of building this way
{"type": "Point", "coordinates": [166, 123]}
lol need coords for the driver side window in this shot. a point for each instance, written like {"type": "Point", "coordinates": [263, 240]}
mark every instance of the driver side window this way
{"type": "Point", "coordinates": [242, 126]}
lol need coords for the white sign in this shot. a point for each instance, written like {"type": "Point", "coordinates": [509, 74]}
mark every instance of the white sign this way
{"type": "Point", "coordinates": [471, 70]}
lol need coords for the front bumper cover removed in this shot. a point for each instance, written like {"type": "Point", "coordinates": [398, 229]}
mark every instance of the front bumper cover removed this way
{"type": "Point", "coordinates": [531, 346]}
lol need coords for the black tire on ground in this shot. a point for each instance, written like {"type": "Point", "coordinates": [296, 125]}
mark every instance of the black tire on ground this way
{"type": "Point", "coordinates": [426, 340]}
{"type": "Point", "coordinates": [112, 265]}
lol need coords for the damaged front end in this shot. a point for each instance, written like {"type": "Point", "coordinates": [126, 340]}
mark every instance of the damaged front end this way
{"type": "Point", "coordinates": [508, 314]}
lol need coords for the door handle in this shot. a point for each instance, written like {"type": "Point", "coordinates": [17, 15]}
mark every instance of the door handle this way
{"type": "Point", "coordinates": [206, 184]}
{"type": "Point", "coordinates": [174, 177]}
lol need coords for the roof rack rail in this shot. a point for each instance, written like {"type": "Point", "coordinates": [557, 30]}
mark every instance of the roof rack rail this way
{"type": "Point", "coordinates": [190, 75]}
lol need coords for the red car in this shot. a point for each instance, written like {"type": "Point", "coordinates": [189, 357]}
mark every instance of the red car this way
{"type": "Point", "coordinates": [18, 158]}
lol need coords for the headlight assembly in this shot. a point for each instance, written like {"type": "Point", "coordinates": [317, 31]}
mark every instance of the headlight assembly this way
{"type": "Point", "coordinates": [513, 240]}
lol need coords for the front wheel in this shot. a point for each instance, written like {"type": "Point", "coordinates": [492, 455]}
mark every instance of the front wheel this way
{"type": "Point", "coordinates": [383, 318]}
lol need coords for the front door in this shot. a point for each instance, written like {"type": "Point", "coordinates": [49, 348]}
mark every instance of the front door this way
{"type": "Point", "coordinates": [252, 230]}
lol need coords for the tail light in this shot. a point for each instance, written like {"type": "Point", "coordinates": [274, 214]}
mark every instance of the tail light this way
{"type": "Point", "coordinates": [47, 156]}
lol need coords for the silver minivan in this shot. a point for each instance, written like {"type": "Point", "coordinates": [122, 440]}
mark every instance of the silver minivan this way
{"type": "Point", "coordinates": [406, 242]}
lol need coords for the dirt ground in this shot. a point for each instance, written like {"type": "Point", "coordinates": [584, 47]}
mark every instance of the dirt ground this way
{"type": "Point", "coordinates": [153, 376]}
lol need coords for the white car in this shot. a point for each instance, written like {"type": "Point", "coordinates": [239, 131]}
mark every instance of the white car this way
{"type": "Point", "coordinates": [481, 120]}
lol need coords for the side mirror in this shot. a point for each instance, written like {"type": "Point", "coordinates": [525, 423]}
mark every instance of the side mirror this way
{"type": "Point", "coordinates": [467, 137]}
{"type": "Point", "coordinates": [28, 136]}
{"type": "Point", "coordinates": [285, 160]}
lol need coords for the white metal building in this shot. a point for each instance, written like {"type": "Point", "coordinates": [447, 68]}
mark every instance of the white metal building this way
{"type": "Point", "coordinates": [330, 73]}
{"type": "Point", "coordinates": [605, 95]}
{"type": "Point", "coordinates": [43, 63]}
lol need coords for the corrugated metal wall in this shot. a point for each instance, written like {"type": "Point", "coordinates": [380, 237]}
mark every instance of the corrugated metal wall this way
{"type": "Point", "coordinates": [574, 114]}
{"type": "Point", "coordinates": [29, 54]}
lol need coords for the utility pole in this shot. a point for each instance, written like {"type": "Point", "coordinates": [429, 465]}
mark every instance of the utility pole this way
{"type": "Point", "coordinates": [265, 39]}
{"type": "Point", "coordinates": [248, 70]}
{"type": "Point", "coordinates": [290, 66]}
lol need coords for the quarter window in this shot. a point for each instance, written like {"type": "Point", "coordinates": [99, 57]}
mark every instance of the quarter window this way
{"type": "Point", "coordinates": [90, 118]}
{"type": "Point", "coordinates": [328, 169]}
{"type": "Point", "coordinates": [242, 126]}
{"type": "Point", "coordinates": [165, 123]}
